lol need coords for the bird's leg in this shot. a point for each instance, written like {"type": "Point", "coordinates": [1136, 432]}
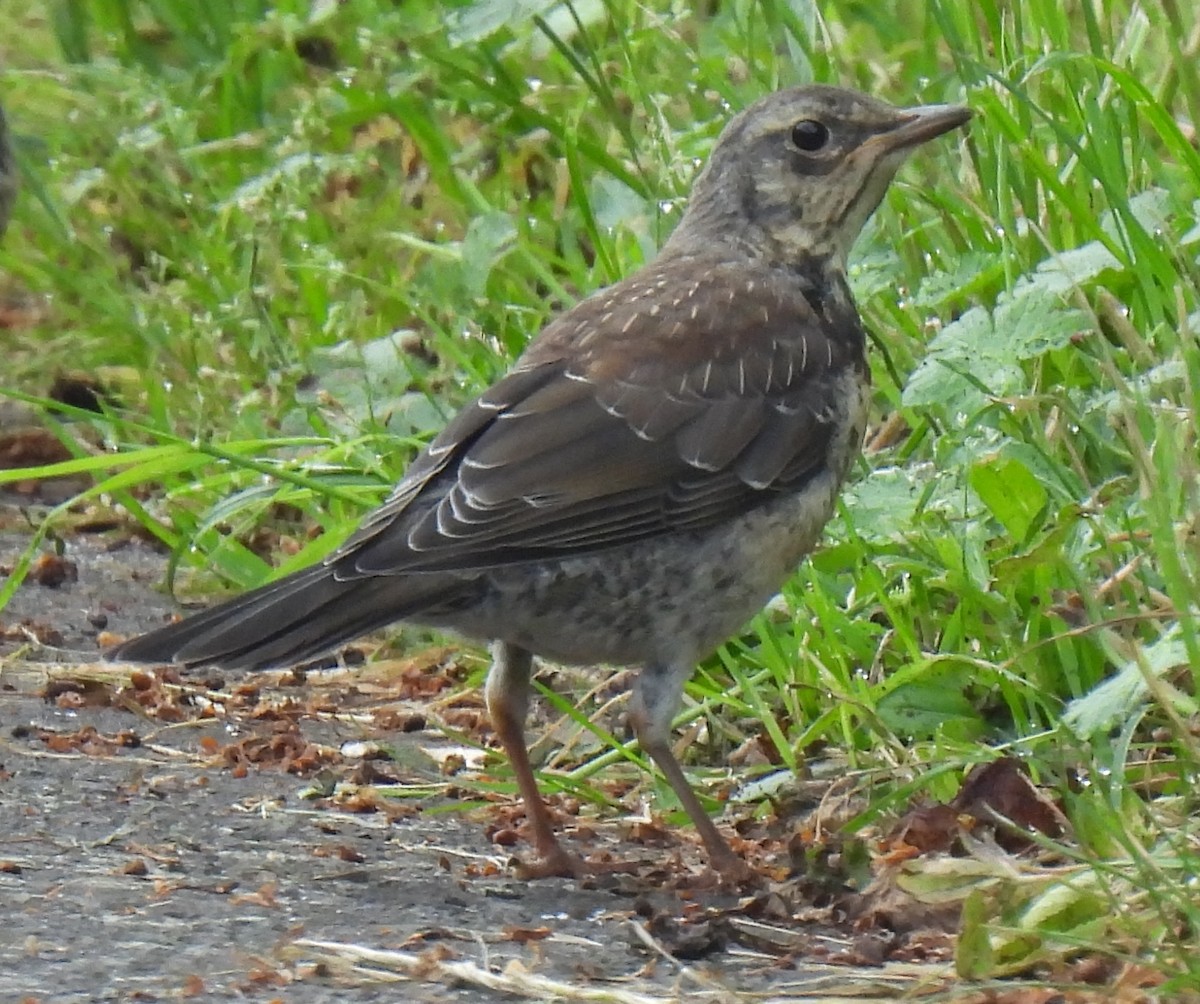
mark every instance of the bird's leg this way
{"type": "Point", "coordinates": [656, 698]}
{"type": "Point", "coordinates": [507, 696]}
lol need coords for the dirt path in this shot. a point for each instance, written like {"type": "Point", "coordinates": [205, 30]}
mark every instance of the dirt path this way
{"type": "Point", "coordinates": [152, 849]}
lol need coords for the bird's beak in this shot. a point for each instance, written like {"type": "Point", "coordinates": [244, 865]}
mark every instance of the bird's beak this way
{"type": "Point", "coordinates": [921, 124]}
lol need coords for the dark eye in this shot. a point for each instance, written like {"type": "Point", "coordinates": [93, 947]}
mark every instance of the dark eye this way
{"type": "Point", "coordinates": [809, 135]}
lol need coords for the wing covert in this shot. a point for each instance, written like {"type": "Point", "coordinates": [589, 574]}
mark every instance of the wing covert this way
{"type": "Point", "coordinates": [630, 416]}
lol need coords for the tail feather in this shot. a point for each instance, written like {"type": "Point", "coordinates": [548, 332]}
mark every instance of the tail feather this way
{"type": "Point", "coordinates": [297, 618]}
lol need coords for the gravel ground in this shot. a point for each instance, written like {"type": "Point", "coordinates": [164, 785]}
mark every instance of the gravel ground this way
{"type": "Point", "coordinates": [137, 863]}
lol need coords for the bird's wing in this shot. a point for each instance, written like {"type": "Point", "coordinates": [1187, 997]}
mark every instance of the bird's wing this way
{"type": "Point", "coordinates": [636, 414]}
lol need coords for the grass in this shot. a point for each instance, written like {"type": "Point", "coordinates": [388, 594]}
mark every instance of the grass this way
{"type": "Point", "coordinates": [293, 239]}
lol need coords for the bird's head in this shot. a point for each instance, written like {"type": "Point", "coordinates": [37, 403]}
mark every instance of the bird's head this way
{"type": "Point", "coordinates": [796, 175]}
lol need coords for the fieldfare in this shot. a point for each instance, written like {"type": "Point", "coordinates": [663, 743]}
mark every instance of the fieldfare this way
{"type": "Point", "coordinates": [652, 468]}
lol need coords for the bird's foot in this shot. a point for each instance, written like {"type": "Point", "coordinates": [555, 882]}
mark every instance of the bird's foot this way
{"type": "Point", "coordinates": [556, 862]}
{"type": "Point", "coordinates": [732, 870]}
{"type": "Point", "coordinates": [551, 863]}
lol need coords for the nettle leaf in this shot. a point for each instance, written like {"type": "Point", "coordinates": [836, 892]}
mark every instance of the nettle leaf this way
{"type": "Point", "coordinates": [488, 239]}
{"type": "Point", "coordinates": [1158, 387]}
{"type": "Point", "coordinates": [617, 207]}
{"type": "Point", "coordinates": [874, 271]}
{"type": "Point", "coordinates": [975, 357]}
{"type": "Point", "coordinates": [1068, 269]}
{"type": "Point", "coordinates": [957, 364]}
{"type": "Point", "coordinates": [1122, 695]}
{"type": "Point", "coordinates": [372, 380]}
{"type": "Point", "coordinates": [615, 204]}
{"type": "Point", "coordinates": [882, 504]}
{"type": "Point", "coordinates": [885, 504]}
{"type": "Point", "coordinates": [473, 24]}
{"type": "Point", "coordinates": [963, 366]}
{"type": "Point", "coordinates": [383, 362]}
{"type": "Point", "coordinates": [960, 387]}
{"type": "Point", "coordinates": [1151, 208]}
{"type": "Point", "coordinates": [1036, 323]}
{"type": "Point", "coordinates": [940, 286]}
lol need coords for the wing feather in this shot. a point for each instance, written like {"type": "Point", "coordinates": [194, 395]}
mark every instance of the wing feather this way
{"type": "Point", "coordinates": [622, 423]}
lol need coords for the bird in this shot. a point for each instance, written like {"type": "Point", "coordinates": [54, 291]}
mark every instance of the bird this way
{"type": "Point", "coordinates": [654, 466]}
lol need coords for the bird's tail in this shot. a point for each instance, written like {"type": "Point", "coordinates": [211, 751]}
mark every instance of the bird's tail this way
{"type": "Point", "coordinates": [292, 620]}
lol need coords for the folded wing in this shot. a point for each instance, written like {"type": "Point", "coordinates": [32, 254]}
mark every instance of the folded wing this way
{"type": "Point", "coordinates": [680, 416]}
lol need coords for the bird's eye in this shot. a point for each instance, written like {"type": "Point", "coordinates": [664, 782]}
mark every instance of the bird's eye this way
{"type": "Point", "coordinates": [809, 135]}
